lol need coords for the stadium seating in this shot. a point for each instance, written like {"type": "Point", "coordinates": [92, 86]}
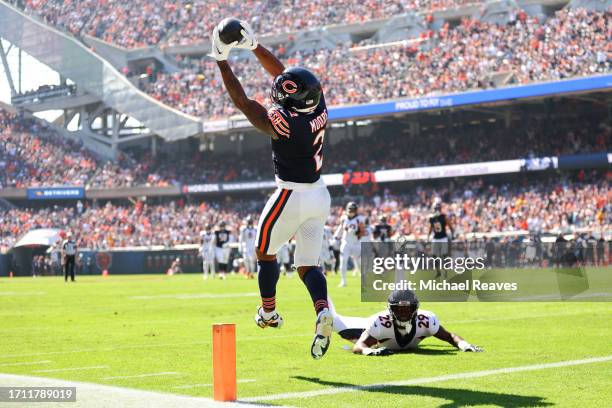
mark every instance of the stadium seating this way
{"type": "Point", "coordinates": [141, 23]}
{"type": "Point", "coordinates": [573, 43]}
{"type": "Point", "coordinates": [551, 204]}
{"type": "Point", "coordinates": [481, 142]}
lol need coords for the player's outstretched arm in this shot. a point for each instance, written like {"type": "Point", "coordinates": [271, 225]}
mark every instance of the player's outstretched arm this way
{"type": "Point", "coordinates": [253, 110]}
{"type": "Point", "coordinates": [456, 340]}
{"type": "Point", "coordinates": [364, 346]}
{"type": "Point", "coordinates": [269, 61]}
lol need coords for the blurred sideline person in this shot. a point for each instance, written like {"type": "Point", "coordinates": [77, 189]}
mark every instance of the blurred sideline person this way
{"type": "Point", "coordinates": [350, 231]}
{"type": "Point", "coordinates": [222, 250]}
{"type": "Point", "coordinates": [301, 204]}
{"type": "Point", "coordinates": [399, 328]}
{"type": "Point", "coordinates": [440, 244]}
{"type": "Point", "coordinates": [248, 235]}
{"type": "Point", "coordinates": [284, 258]}
{"type": "Point", "coordinates": [69, 252]}
{"type": "Point", "coordinates": [207, 252]}
{"type": "Point", "coordinates": [327, 256]}
{"type": "Point", "coordinates": [175, 267]}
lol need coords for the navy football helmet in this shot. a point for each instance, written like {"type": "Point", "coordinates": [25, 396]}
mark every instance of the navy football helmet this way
{"type": "Point", "coordinates": [403, 306]}
{"type": "Point", "coordinates": [296, 89]}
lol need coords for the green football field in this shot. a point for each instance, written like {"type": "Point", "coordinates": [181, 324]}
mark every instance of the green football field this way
{"type": "Point", "coordinates": [154, 333]}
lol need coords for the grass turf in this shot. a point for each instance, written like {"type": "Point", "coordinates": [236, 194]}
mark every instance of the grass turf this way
{"type": "Point", "coordinates": [131, 325]}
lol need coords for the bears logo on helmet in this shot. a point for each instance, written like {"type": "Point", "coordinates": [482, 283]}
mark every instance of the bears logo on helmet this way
{"type": "Point", "coordinates": [296, 89]}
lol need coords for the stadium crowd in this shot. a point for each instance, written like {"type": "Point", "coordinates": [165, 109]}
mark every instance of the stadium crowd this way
{"type": "Point", "coordinates": [575, 42]}
{"type": "Point", "coordinates": [140, 23]}
{"type": "Point", "coordinates": [31, 154]}
{"type": "Point", "coordinates": [550, 204]}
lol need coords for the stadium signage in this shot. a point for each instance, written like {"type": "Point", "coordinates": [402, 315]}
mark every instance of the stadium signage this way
{"type": "Point", "coordinates": [453, 170]}
{"type": "Point", "coordinates": [473, 97]}
{"type": "Point", "coordinates": [443, 101]}
{"type": "Point", "coordinates": [202, 188]}
{"type": "Point", "coordinates": [55, 193]}
{"type": "Point", "coordinates": [423, 173]}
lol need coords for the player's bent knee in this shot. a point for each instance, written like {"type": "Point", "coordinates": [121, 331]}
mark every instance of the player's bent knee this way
{"type": "Point", "coordinates": [303, 269]}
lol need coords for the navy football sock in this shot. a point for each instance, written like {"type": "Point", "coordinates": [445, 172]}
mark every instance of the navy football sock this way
{"type": "Point", "coordinates": [268, 274]}
{"type": "Point", "coordinates": [317, 287]}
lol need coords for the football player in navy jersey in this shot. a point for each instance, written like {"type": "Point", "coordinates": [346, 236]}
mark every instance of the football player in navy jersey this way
{"type": "Point", "coordinates": [300, 206]}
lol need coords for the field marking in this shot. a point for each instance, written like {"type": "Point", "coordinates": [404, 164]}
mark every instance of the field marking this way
{"type": "Point", "coordinates": [196, 296]}
{"type": "Point", "coordinates": [22, 293]}
{"type": "Point", "coordinates": [247, 338]}
{"type": "Point", "coordinates": [191, 343]}
{"type": "Point", "coordinates": [25, 363]}
{"type": "Point", "coordinates": [57, 370]}
{"type": "Point", "coordinates": [90, 395]}
{"type": "Point", "coordinates": [246, 380]}
{"type": "Point", "coordinates": [426, 380]}
{"type": "Point", "coordinates": [166, 373]}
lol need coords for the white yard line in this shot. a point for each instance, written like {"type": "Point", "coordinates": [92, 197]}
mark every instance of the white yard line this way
{"type": "Point", "coordinates": [90, 395]}
{"type": "Point", "coordinates": [196, 296]}
{"type": "Point", "coordinates": [57, 370]}
{"type": "Point", "coordinates": [426, 380]}
{"type": "Point", "coordinates": [139, 346]}
{"type": "Point", "coordinates": [166, 373]}
{"type": "Point", "coordinates": [24, 363]}
{"type": "Point", "coordinates": [240, 339]}
{"type": "Point", "coordinates": [22, 293]}
{"type": "Point", "coordinates": [246, 380]}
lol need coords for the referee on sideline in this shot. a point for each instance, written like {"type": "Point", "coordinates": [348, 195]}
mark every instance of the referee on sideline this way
{"type": "Point", "coordinates": [69, 251]}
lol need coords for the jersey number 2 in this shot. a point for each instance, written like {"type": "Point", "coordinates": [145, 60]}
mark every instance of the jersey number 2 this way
{"type": "Point", "coordinates": [318, 157]}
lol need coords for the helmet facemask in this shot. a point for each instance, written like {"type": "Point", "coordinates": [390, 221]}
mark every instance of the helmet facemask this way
{"type": "Point", "coordinates": [403, 313]}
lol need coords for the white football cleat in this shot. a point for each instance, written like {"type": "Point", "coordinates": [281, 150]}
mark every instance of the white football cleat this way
{"type": "Point", "coordinates": [323, 332]}
{"type": "Point", "coordinates": [342, 284]}
{"type": "Point", "coordinates": [275, 321]}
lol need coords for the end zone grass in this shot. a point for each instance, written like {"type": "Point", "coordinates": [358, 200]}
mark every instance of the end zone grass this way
{"type": "Point", "coordinates": [154, 333]}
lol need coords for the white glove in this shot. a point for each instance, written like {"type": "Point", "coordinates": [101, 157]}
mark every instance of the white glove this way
{"type": "Point", "coordinates": [467, 347]}
{"type": "Point", "coordinates": [249, 42]}
{"type": "Point", "coordinates": [219, 50]}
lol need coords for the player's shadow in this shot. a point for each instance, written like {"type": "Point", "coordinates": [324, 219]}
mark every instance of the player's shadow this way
{"type": "Point", "coordinates": [429, 351]}
{"type": "Point", "coordinates": [457, 397]}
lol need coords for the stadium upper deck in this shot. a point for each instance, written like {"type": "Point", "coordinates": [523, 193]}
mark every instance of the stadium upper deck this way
{"type": "Point", "coordinates": [139, 23]}
{"type": "Point", "coordinates": [469, 56]}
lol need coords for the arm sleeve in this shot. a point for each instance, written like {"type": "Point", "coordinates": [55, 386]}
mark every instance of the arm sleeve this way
{"type": "Point", "coordinates": [280, 122]}
{"type": "Point", "coordinates": [375, 329]}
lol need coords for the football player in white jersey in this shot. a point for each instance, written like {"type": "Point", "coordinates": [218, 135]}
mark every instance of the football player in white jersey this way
{"type": "Point", "coordinates": [207, 252]}
{"type": "Point", "coordinates": [401, 327]}
{"type": "Point", "coordinates": [248, 236]}
{"type": "Point", "coordinates": [350, 230]}
{"type": "Point", "coordinates": [284, 258]}
{"type": "Point", "coordinates": [327, 256]}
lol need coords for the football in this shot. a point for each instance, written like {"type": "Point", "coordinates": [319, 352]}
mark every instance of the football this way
{"type": "Point", "coordinates": [229, 30]}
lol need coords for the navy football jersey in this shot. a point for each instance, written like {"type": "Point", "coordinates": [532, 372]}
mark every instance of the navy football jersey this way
{"type": "Point", "coordinates": [438, 224]}
{"type": "Point", "coordinates": [297, 149]}
{"type": "Point", "coordinates": [222, 237]}
{"type": "Point", "coordinates": [382, 232]}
